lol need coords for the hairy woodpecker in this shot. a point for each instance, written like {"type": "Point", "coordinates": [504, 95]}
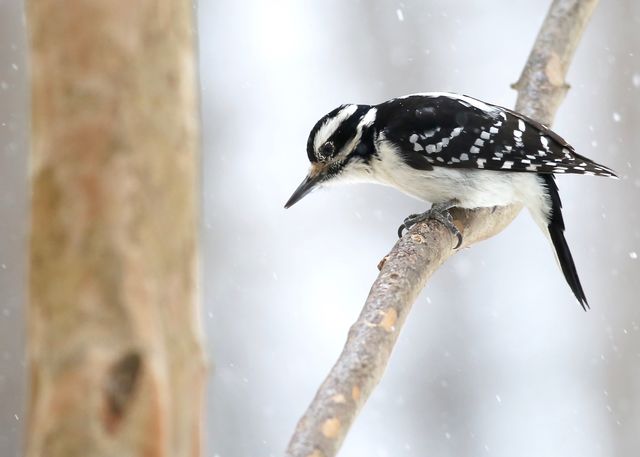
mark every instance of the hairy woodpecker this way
{"type": "Point", "coordinates": [450, 150]}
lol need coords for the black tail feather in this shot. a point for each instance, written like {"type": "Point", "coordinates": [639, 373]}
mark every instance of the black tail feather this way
{"type": "Point", "coordinates": [556, 231]}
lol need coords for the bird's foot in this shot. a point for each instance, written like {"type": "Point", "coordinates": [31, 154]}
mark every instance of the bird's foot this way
{"type": "Point", "coordinates": [439, 212]}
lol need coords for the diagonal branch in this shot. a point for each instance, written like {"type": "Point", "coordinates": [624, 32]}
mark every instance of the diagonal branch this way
{"type": "Point", "coordinates": [541, 88]}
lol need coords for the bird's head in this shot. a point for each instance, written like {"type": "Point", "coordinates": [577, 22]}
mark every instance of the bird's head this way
{"type": "Point", "coordinates": [340, 146]}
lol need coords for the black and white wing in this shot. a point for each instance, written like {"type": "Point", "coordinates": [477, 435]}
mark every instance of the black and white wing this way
{"type": "Point", "coordinates": [450, 130]}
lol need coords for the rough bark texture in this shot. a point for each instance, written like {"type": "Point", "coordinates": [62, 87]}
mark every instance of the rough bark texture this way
{"type": "Point", "coordinates": [541, 88]}
{"type": "Point", "coordinates": [114, 343]}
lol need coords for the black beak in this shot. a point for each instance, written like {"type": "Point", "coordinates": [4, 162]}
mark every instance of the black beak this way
{"type": "Point", "coordinates": [306, 186]}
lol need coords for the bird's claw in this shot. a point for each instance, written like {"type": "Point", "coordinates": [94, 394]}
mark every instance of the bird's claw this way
{"type": "Point", "coordinates": [410, 221]}
{"type": "Point", "coordinates": [439, 212]}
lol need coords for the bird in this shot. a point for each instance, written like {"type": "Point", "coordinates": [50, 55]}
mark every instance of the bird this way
{"type": "Point", "coordinates": [451, 150]}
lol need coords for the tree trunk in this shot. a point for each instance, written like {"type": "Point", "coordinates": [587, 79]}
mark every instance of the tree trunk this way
{"type": "Point", "coordinates": [114, 343]}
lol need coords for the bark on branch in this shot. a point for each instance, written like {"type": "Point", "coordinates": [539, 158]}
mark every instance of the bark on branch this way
{"type": "Point", "coordinates": [541, 88]}
{"type": "Point", "coordinates": [114, 346]}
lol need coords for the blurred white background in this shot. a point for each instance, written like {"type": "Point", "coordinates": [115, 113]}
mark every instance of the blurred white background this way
{"type": "Point", "coordinates": [496, 358]}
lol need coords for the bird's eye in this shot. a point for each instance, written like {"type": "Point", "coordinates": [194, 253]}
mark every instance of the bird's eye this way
{"type": "Point", "coordinates": [326, 150]}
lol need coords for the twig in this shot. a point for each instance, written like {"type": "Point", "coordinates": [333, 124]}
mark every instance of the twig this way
{"type": "Point", "coordinates": [541, 88]}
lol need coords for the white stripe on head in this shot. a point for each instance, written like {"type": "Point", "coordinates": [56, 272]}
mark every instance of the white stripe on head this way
{"type": "Point", "coordinates": [368, 118]}
{"type": "Point", "coordinates": [331, 125]}
{"type": "Point", "coordinates": [366, 121]}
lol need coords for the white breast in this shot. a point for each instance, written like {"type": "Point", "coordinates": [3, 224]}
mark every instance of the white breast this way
{"type": "Point", "coordinates": [473, 188]}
